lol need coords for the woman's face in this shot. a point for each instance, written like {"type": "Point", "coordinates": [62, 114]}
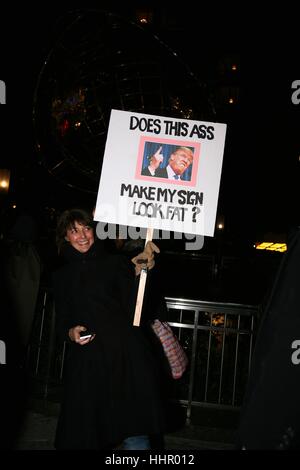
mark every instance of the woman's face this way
{"type": "Point", "coordinates": [81, 237]}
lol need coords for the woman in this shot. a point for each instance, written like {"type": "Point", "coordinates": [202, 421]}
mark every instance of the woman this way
{"type": "Point", "coordinates": [111, 393]}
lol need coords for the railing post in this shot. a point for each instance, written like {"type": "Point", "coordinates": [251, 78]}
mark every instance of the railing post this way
{"type": "Point", "coordinates": [41, 334]}
{"type": "Point", "coordinates": [193, 364]}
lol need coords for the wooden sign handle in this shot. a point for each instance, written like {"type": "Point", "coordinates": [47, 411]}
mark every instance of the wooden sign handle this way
{"type": "Point", "coordinates": [142, 284]}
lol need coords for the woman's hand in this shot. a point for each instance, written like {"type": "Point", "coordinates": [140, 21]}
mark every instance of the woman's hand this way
{"type": "Point", "coordinates": [74, 335]}
{"type": "Point", "coordinates": [146, 258]}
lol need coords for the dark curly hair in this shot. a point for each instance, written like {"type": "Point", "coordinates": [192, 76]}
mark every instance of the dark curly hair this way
{"type": "Point", "coordinates": [67, 221]}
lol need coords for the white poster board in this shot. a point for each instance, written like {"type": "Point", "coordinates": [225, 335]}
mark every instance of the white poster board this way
{"type": "Point", "coordinates": [130, 195]}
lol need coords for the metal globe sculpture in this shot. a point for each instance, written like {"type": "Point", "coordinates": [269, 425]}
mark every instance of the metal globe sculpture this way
{"type": "Point", "coordinates": [100, 62]}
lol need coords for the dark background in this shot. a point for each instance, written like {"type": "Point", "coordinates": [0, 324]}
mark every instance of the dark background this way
{"type": "Point", "coordinates": [259, 190]}
{"type": "Point", "coordinates": [259, 193]}
{"type": "Point", "coordinates": [261, 166]}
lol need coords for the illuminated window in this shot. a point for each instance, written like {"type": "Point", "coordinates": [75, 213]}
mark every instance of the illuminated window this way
{"type": "Point", "coordinates": [271, 246]}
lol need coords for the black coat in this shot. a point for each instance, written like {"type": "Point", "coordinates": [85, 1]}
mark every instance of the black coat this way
{"type": "Point", "coordinates": [270, 417]}
{"type": "Point", "coordinates": [111, 384]}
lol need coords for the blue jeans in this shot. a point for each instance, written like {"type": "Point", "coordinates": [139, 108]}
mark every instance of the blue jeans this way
{"type": "Point", "coordinates": [136, 443]}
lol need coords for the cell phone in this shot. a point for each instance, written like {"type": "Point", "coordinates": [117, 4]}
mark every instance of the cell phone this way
{"type": "Point", "coordinates": [86, 334]}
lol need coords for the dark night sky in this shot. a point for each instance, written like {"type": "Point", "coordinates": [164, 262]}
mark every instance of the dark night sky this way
{"type": "Point", "coordinates": [259, 188]}
{"type": "Point", "coordinates": [260, 179]}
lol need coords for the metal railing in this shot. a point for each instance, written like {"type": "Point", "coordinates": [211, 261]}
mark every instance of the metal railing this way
{"type": "Point", "coordinates": [218, 339]}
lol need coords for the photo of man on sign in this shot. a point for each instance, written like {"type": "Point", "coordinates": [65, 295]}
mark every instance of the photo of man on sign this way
{"type": "Point", "coordinates": [178, 165]}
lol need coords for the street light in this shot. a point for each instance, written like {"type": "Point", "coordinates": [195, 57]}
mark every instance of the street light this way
{"type": "Point", "coordinates": [4, 187]}
{"type": "Point", "coordinates": [4, 181]}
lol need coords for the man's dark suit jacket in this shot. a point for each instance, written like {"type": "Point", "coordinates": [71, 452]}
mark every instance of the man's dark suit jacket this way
{"type": "Point", "coordinates": [159, 172]}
